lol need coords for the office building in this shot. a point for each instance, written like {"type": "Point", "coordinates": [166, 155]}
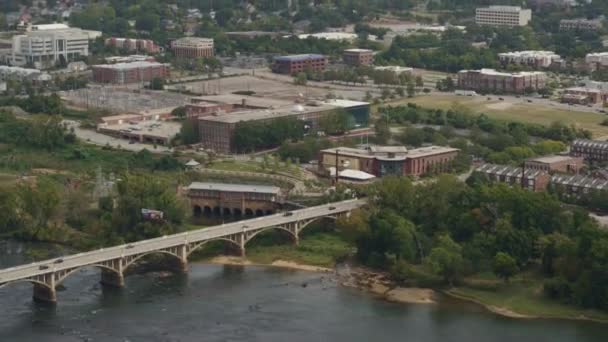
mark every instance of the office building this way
{"type": "Point", "coordinates": [490, 80]}
{"type": "Point", "coordinates": [133, 45]}
{"type": "Point", "coordinates": [125, 73]}
{"type": "Point", "coordinates": [47, 45]}
{"type": "Point", "coordinates": [580, 25]}
{"type": "Point", "coordinates": [192, 47]}
{"type": "Point", "coordinates": [291, 65]}
{"type": "Point", "coordinates": [388, 160]}
{"type": "Point", "coordinates": [356, 57]}
{"type": "Point", "coordinates": [510, 16]}
{"type": "Point", "coordinates": [534, 59]}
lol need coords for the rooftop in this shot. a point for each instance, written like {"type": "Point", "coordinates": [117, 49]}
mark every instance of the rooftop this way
{"type": "Point", "coordinates": [529, 53]}
{"type": "Point", "coordinates": [129, 65]}
{"type": "Point", "coordinates": [503, 8]}
{"type": "Point", "coordinates": [580, 181]}
{"type": "Point", "coordinates": [508, 171]}
{"type": "Point", "coordinates": [159, 129]}
{"type": "Point", "coordinates": [302, 57]}
{"type": "Point", "coordinates": [505, 74]}
{"type": "Point", "coordinates": [391, 152]}
{"type": "Point", "coordinates": [345, 103]}
{"type": "Point", "coordinates": [591, 143]}
{"type": "Point", "coordinates": [263, 114]}
{"type": "Point", "coordinates": [551, 159]}
{"type": "Point", "coordinates": [265, 189]}
{"type": "Point", "coordinates": [358, 50]}
{"type": "Point", "coordinates": [330, 35]}
{"type": "Point", "coordinates": [250, 101]}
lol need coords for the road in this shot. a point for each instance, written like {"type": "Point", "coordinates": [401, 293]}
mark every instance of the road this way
{"type": "Point", "coordinates": [146, 246]}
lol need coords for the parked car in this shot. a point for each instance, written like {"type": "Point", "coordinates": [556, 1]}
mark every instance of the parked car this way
{"type": "Point", "coordinates": [43, 267]}
{"type": "Point", "coordinates": [58, 261]}
{"type": "Point", "coordinates": [332, 208]}
{"type": "Point", "coordinates": [289, 213]}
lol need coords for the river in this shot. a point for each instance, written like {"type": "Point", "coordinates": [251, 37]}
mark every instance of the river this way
{"type": "Point", "coordinates": [235, 303]}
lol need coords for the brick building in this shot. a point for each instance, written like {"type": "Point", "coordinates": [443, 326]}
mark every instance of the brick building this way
{"type": "Point", "coordinates": [590, 150]}
{"type": "Point", "coordinates": [555, 164]}
{"type": "Point", "coordinates": [583, 95]}
{"type": "Point", "coordinates": [133, 45]}
{"type": "Point", "coordinates": [294, 64]}
{"type": "Point", "coordinates": [192, 47]}
{"type": "Point", "coordinates": [598, 60]}
{"type": "Point", "coordinates": [234, 199]}
{"type": "Point", "coordinates": [510, 16]}
{"type": "Point", "coordinates": [356, 57]}
{"type": "Point", "coordinates": [535, 59]}
{"type": "Point", "coordinates": [125, 73]}
{"type": "Point", "coordinates": [575, 185]}
{"type": "Point", "coordinates": [534, 180]}
{"type": "Point", "coordinates": [389, 160]}
{"type": "Point", "coordinates": [490, 80]}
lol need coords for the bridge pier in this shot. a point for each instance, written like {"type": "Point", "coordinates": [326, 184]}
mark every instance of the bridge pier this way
{"type": "Point", "coordinates": [112, 278]}
{"type": "Point", "coordinates": [44, 294]}
{"type": "Point", "coordinates": [181, 264]}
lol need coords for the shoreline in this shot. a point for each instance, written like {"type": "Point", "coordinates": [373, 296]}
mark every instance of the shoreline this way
{"type": "Point", "coordinates": [378, 284]}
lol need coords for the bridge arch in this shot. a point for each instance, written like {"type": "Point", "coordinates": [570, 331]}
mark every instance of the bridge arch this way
{"type": "Point", "coordinates": [64, 276]}
{"type": "Point", "coordinates": [250, 237]}
{"type": "Point", "coordinates": [198, 245]}
{"type": "Point", "coordinates": [24, 281]}
{"type": "Point", "coordinates": [305, 224]}
{"type": "Point", "coordinates": [132, 261]}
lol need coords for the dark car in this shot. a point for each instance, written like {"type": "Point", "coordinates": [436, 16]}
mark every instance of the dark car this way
{"type": "Point", "coordinates": [332, 208]}
{"type": "Point", "coordinates": [58, 261]}
{"type": "Point", "coordinates": [289, 213]}
{"type": "Point", "coordinates": [129, 246]}
{"type": "Point", "coordinates": [43, 267]}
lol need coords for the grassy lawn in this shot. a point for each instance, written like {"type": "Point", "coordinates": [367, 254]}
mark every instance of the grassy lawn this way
{"type": "Point", "coordinates": [319, 249]}
{"type": "Point", "coordinates": [526, 298]}
{"type": "Point", "coordinates": [523, 112]}
{"type": "Point", "coordinates": [236, 166]}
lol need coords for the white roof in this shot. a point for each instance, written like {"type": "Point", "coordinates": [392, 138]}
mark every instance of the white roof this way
{"type": "Point", "coordinates": [345, 103]}
{"type": "Point", "coordinates": [192, 162]}
{"type": "Point", "coordinates": [234, 187]}
{"type": "Point", "coordinates": [358, 50]}
{"type": "Point", "coordinates": [130, 65]}
{"type": "Point", "coordinates": [45, 27]}
{"type": "Point", "coordinates": [352, 174]}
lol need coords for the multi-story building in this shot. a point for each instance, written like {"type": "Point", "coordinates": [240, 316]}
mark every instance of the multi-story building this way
{"type": "Point", "coordinates": [356, 57]}
{"type": "Point", "coordinates": [46, 45]}
{"type": "Point", "coordinates": [535, 59]}
{"type": "Point", "coordinates": [533, 180]}
{"type": "Point", "coordinates": [234, 199]}
{"type": "Point", "coordinates": [597, 60]}
{"type": "Point", "coordinates": [124, 73]}
{"type": "Point", "coordinates": [591, 150]}
{"type": "Point", "coordinates": [503, 16]}
{"type": "Point", "coordinates": [555, 164]}
{"type": "Point", "coordinates": [490, 80]}
{"type": "Point", "coordinates": [584, 95]}
{"type": "Point", "coordinates": [580, 25]}
{"type": "Point", "coordinates": [576, 185]}
{"type": "Point", "coordinates": [23, 74]}
{"type": "Point", "coordinates": [388, 160]}
{"type": "Point", "coordinates": [129, 59]}
{"type": "Point", "coordinates": [192, 47]}
{"type": "Point", "coordinates": [294, 64]}
{"type": "Point", "coordinates": [132, 45]}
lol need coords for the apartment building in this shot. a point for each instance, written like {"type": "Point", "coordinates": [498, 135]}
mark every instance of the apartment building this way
{"type": "Point", "coordinates": [125, 73]}
{"type": "Point", "coordinates": [534, 59]}
{"type": "Point", "coordinates": [575, 185]}
{"type": "Point", "coordinates": [580, 24]}
{"type": "Point", "coordinates": [490, 80]}
{"type": "Point", "coordinates": [510, 16]}
{"type": "Point", "coordinates": [388, 160]}
{"type": "Point", "coordinates": [291, 65]}
{"type": "Point", "coordinates": [555, 164]}
{"type": "Point", "coordinates": [133, 45]}
{"type": "Point", "coordinates": [356, 57]}
{"type": "Point", "coordinates": [533, 180]}
{"type": "Point", "coordinates": [597, 60]}
{"type": "Point", "coordinates": [46, 45]}
{"type": "Point", "coordinates": [584, 95]}
{"type": "Point", "coordinates": [590, 150]}
{"type": "Point", "coordinates": [193, 47]}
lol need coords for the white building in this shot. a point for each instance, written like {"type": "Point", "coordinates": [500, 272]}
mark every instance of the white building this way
{"type": "Point", "coordinates": [538, 59]}
{"type": "Point", "coordinates": [597, 60]}
{"type": "Point", "coordinates": [396, 69]}
{"type": "Point", "coordinates": [44, 46]}
{"type": "Point", "coordinates": [503, 16]}
{"type": "Point", "coordinates": [22, 74]}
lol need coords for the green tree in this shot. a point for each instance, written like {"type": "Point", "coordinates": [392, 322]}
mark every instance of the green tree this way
{"type": "Point", "coordinates": [337, 122]}
{"type": "Point", "coordinates": [157, 83]}
{"type": "Point", "coordinates": [38, 204]}
{"type": "Point", "coordinates": [446, 259]}
{"type": "Point", "coordinates": [300, 79]}
{"type": "Point", "coordinates": [505, 266]}
{"type": "Point", "coordinates": [189, 132]}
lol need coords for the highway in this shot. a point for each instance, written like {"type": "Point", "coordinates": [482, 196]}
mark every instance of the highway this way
{"type": "Point", "coordinates": [142, 247]}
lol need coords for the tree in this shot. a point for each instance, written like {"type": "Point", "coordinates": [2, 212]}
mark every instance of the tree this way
{"type": "Point", "coordinates": [157, 83]}
{"type": "Point", "coordinates": [336, 122]}
{"type": "Point", "coordinates": [419, 81]}
{"type": "Point", "coordinates": [147, 21]}
{"type": "Point", "coordinates": [38, 204]}
{"type": "Point", "coordinates": [504, 266]}
{"type": "Point", "coordinates": [189, 132]}
{"type": "Point", "coordinates": [300, 79]}
{"type": "Point", "coordinates": [411, 90]}
{"type": "Point", "coordinates": [179, 112]}
{"type": "Point", "coordinates": [383, 132]}
{"type": "Point", "coordinates": [446, 259]}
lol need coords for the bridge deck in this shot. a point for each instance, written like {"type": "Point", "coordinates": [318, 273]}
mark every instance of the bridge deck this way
{"type": "Point", "coordinates": [137, 248]}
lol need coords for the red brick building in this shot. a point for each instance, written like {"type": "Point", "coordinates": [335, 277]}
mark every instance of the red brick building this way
{"type": "Point", "coordinates": [389, 160]}
{"type": "Point", "coordinates": [125, 73]}
{"type": "Point", "coordinates": [357, 57]}
{"type": "Point", "coordinates": [192, 47]}
{"type": "Point", "coordinates": [555, 164]}
{"type": "Point", "coordinates": [294, 64]}
{"type": "Point", "coordinates": [490, 80]}
{"type": "Point", "coordinates": [533, 180]}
